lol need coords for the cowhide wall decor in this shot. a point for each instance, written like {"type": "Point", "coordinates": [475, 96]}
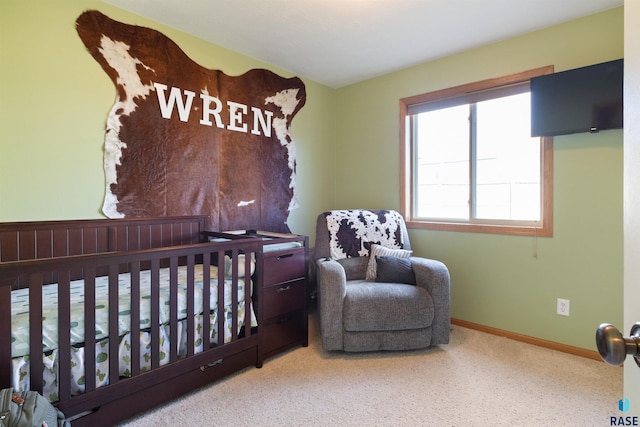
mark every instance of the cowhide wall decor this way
{"type": "Point", "coordinates": [185, 140]}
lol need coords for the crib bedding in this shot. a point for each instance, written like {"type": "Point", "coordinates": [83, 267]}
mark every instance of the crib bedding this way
{"type": "Point", "coordinates": [20, 365]}
{"type": "Point", "coordinates": [20, 306]}
{"type": "Point", "coordinates": [20, 322]}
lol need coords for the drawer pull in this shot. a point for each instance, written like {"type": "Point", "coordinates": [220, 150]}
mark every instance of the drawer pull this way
{"type": "Point", "coordinates": [211, 365]}
{"type": "Point", "coordinates": [284, 256]}
{"type": "Point", "coordinates": [284, 319]}
{"type": "Point", "coordinates": [284, 288]}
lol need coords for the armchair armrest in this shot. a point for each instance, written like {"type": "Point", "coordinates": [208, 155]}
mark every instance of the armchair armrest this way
{"type": "Point", "coordinates": [332, 282]}
{"type": "Point", "coordinates": [434, 277]}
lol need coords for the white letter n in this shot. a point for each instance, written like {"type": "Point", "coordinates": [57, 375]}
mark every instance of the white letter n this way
{"type": "Point", "coordinates": [258, 119]}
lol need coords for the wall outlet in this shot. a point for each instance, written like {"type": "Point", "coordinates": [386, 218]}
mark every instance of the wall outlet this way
{"type": "Point", "coordinates": [563, 307]}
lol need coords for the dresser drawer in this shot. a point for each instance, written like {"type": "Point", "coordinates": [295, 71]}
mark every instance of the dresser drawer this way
{"type": "Point", "coordinates": [282, 298]}
{"type": "Point", "coordinates": [283, 266]}
{"type": "Point", "coordinates": [284, 331]}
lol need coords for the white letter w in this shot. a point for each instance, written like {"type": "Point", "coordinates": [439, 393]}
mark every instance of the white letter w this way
{"type": "Point", "coordinates": [166, 108]}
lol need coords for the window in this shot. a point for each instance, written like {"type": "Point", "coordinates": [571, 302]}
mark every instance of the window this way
{"type": "Point", "coordinates": [469, 162]}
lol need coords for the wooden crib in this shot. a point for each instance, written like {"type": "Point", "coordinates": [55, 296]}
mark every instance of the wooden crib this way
{"type": "Point", "coordinates": [112, 281]}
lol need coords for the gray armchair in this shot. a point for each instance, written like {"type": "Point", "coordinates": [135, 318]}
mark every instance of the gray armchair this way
{"type": "Point", "coordinates": [361, 304]}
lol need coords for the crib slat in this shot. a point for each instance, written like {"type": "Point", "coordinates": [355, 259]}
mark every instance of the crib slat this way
{"type": "Point", "coordinates": [206, 301]}
{"type": "Point", "coordinates": [35, 332]}
{"type": "Point", "coordinates": [173, 309]}
{"type": "Point", "coordinates": [234, 294]}
{"type": "Point", "coordinates": [5, 335]}
{"type": "Point", "coordinates": [190, 323]}
{"type": "Point", "coordinates": [89, 329]}
{"type": "Point", "coordinates": [114, 367]}
{"type": "Point", "coordinates": [135, 318]}
{"type": "Point", "coordinates": [155, 313]}
{"type": "Point", "coordinates": [220, 307]}
{"type": "Point", "coordinates": [248, 256]}
{"type": "Point", "coordinates": [64, 336]}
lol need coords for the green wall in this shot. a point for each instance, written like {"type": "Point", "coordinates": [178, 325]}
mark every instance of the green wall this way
{"type": "Point", "coordinates": [508, 282]}
{"type": "Point", "coordinates": [54, 100]}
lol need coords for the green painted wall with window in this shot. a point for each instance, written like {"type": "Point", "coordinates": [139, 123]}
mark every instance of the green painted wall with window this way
{"type": "Point", "coordinates": [508, 282]}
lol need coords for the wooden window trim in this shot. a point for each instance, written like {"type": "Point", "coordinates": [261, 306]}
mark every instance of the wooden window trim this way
{"type": "Point", "coordinates": [545, 229]}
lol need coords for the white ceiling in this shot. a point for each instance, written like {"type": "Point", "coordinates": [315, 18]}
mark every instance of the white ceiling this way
{"type": "Point", "coordinates": [339, 42]}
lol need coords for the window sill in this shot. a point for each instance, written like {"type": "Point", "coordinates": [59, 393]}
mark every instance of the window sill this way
{"type": "Point", "coordinates": [540, 231]}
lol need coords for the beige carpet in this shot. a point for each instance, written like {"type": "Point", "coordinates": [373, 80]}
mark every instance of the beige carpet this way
{"type": "Point", "coordinates": [476, 380]}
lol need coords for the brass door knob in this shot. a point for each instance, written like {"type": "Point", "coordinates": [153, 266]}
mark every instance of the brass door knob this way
{"type": "Point", "coordinates": [614, 348]}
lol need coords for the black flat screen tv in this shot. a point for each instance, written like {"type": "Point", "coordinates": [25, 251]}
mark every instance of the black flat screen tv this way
{"type": "Point", "coordinates": [587, 99]}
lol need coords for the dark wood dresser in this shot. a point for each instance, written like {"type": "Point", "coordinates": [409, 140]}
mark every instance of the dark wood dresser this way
{"type": "Point", "coordinates": [282, 303]}
{"type": "Point", "coordinates": [284, 316]}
